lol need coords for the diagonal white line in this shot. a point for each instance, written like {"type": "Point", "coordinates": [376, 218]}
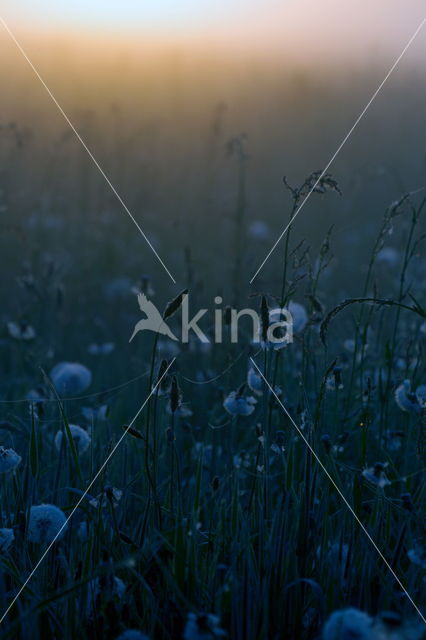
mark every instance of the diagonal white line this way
{"type": "Point", "coordinates": [344, 141]}
{"type": "Point", "coordinates": [301, 434]}
{"type": "Point", "coordinates": [85, 493]}
{"type": "Point", "coordinates": [90, 154]}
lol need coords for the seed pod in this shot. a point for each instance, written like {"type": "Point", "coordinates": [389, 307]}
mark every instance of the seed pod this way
{"type": "Point", "coordinates": [174, 304]}
{"type": "Point", "coordinates": [132, 432]}
{"type": "Point", "coordinates": [264, 318]}
{"type": "Point", "coordinates": [164, 380]}
{"type": "Point", "coordinates": [227, 315]}
{"type": "Point", "coordinates": [174, 395]}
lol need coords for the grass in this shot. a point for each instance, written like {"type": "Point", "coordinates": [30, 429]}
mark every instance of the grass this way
{"type": "Point", "coordinates": [202, 511]}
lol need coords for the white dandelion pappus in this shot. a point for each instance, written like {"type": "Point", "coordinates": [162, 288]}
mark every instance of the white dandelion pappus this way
{"type": "Point", "coordinates": [21, 331]}
{"type": "Point", "coordinates": [417, 555]}
{"type": "Point", "coordinates": [105, 587]}
{"type": "Point", "coordinates": [132, 634]}
{"type": "Point", "coordinates": [203, 626]}
{"type": "Point", "coordinates": [70, 378]}
{"type": "Point", "coordinates": [101, 349]}
{"type": "Point", "coordinates": [299, 315]}
{"type": "Point", "coordinates": [183, 411]}
{"type": "Point", "coordinates": [376, 475]}
{"type": "Point", "coordinates": [9, 460]}
{"type": "Point", "coordinates": [45, 522]}
{"type": "Point", "coordinates": [348, 624]}
{"type": "Point", "coordinates": [254, 381]}
{"type": "Point", "coordinates": [238, 404]}
{"type": "Point", "coordinates": [389, 256]}
{"type": "Point", "coordinates": [406, 399]}
{"type": "Point", "coordinates": [421, 396]}
{"type": "Point", "coordinates": [108, 495]}
{"type": "Point", "coordinates": [7, 536]}
{"type": "Point", "coordinates": [80, 437]}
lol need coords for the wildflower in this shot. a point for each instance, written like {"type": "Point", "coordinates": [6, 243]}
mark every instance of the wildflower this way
{"type": "Point", "coordinates": [46, 523]}
{"type": "Point", "coordinates": [70, 378]}
{"type": "Point", "coordinates": [254, 381]}
{"type": "Point", "coordinates": [407, 400]}
{"type": "Point", "coordinates": [237, 404]}
{"type": "Point", "coordinates": [203, 626]}
{"type": "Point", "coordinates": [101, 349]}
{"type": "Point", "coordinates": [9, 460]}
{"type": "Point", "coordinates": [417, 555]}
{"type": "Point", "coordinates": [95, 413]}
{"type": "Point", "coordinates": [376, 475]}
{"type": "Point", "coordinates": [6, 538]}
{"type": "Point", "coordinates": [132, 634]}
{"type": "Point", "coordinates": [348, 624]}
{"type": "Point", "coordinates": [80, 436]}
{"type": "Point", "coordinates": [21, 331]}
{"type": "Point", "coordinates": [299, 315]}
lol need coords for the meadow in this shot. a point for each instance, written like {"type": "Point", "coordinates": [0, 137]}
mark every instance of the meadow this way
{"type": "Point", "coordinates": [247, 497]}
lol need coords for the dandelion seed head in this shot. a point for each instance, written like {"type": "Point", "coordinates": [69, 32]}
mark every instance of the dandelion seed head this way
{"type": "Point", "coordinates": [45, 523]}
{"type": "Point", "coordinates": [203, 626]}
{"type": "Point", "coordinates": [132, 634]}
{"type": "Point", "coordinates": [405, 399]}
{"type": "Point", "coordinates": [376, 475]}
{"type": "Point", "coordinates": [254, 381]}
{"type": "Point", "coordinates": [299, 314]}
{"type": "Point", "coordinates": [9, 460]}
{"type": "Point", "coordinates": [239, 405]}
{"type": "Point", "coordinates": [7, 536]}
{"type": "Point", "coordinates": [21, 331]}
{"type": "Point", "coordinates": [348, 624]}
{"type": "Point", "coordinates": [388, 256]}
{"type": "Point", "coordinates": [111, 494]}
{"type": "Point", "coordinates": [101, 349]}
{"type": "Point", "coordinates": [70, 378]}
{"type": "Point", "coordinates": [80, 437]}
{"type": "Point", "coordinates": [417, 554]}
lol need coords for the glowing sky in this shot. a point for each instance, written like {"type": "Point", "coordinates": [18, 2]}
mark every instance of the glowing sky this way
{"type": "Point", "coordinates": [364, 23]}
